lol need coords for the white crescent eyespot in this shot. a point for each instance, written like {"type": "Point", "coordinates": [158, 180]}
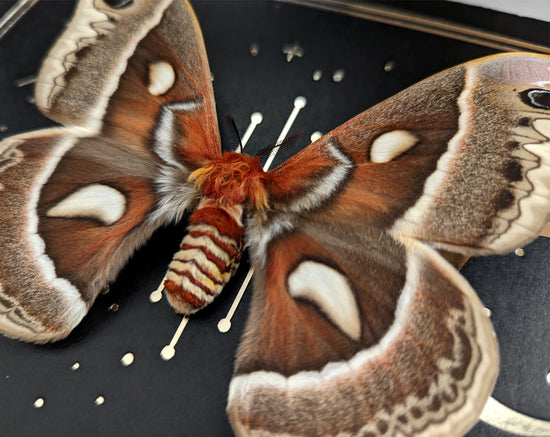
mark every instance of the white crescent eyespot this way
{"type": "Point", "coordinates": [330, 291]}
{"type": "Point", "coordinates": [96, 201]}
{"type": "Point", "coordinates": [390, 145]}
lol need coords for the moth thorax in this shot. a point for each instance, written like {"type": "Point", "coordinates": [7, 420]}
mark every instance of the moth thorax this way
{"type": "Point", "coordinates": [232, 179]}
{"type": "Point", "coordinates": [209, 255]}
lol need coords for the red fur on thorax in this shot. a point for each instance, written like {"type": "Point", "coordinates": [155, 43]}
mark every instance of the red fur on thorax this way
{"type": "Point", "coordinates": [233, 179]}
{"type": "Point", "coordinates": [219, 219]}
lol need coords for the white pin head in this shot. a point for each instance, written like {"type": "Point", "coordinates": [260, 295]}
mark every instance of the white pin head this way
{"type": "Point", "coordinates": [224, 325]}
{"type": "Point", "coordinates": [167, 353]}
{"type": "Point", "coordinates": [39, 403]}
{"type": "Point", "coordinates": [127, 359]}
{"type": "Point", "coordinates": [300, 102]}
{"type": "Point", "coordinates": [256, 118]}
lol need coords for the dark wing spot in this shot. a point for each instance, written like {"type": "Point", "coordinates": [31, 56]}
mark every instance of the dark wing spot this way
{"type": "Point", "coordinates": [451, 394]}
{"type": "Point", "coordinates": [416, 412]}
{"type": "Point", "coordinates": [512, 171]}
{"type": "Point", "coordinates": [382, 426]}
{"type": "Point", "coordinates": [435, 404]}
{"type": "Point", "coordinates": [504, 200]}
{"type": "Point", "coordinates": [537, 98]}
{"type": "Point", "coordinates": [525, 121]}
{"type": "Point", "coordinates": [118, 4]}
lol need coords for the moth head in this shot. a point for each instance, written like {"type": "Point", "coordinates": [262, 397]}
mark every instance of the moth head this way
{"type": "Point", "coordinates": [232, 179]}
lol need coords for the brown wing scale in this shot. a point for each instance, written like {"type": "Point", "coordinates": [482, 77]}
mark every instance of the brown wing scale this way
{"type": "Point", "coordinates": [417, 357]}
{"type": "Point", "coordinates": [82, 199]}
{"type": "Point", "coordinates": [459, 162]}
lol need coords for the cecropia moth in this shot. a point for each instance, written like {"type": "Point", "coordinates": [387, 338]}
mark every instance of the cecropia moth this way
{"type": "Point", "coordinates": [358, 325]}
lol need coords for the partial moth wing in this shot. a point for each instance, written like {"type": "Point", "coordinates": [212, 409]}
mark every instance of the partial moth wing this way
{"type": "Point", "coordinates": [73, 210]}
{"type": "Point", "coordinates": [139, 74]}
{"type": "Point", "coordinates": [357, 326]}
{"type": "Point", "coordinates": [353, 333]}
{"type": "Point", "coordinates": [70, 88]}
{"type": "Point", "coordinates": [77, 201]}
{"type": "Point", "coordinates": [459, 160]}
{"type": "Point", "coordinates": [496, 169]}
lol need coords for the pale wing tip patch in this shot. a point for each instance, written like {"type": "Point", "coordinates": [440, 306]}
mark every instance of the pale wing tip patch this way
{"type": "Point", "coordinates": [17, 323]}
{"type": "Point", "coordinates": [528, 214]}
{"type": "Point", "coordinates": [95, 201]}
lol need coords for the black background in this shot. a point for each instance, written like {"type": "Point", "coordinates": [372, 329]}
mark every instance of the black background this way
{"type": "Point", "coordinates": [186, 396]}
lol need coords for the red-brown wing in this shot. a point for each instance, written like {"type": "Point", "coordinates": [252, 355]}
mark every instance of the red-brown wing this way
{"type": "Point", "coordinates": [357, 326]}
{"type": "Point", "coordinates": [77, 201]}
{"type": "Point", "coordinates": [459, 160]}
{"type": "Point", "coordinates": [137, 73]}
{"type": "Point", "coordinates": [355, 334]}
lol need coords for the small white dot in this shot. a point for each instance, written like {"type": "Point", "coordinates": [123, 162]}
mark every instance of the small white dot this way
{"type": "Point", "coordinates": [3, 128]}
{"type": "Point", "coordinates": [99, 400]}
{"type": "Point", "coordinates": [38, 403]}
{"type": "Point", "coordinates": [127, 359]}
{"type": "Point", "coordinates": [317, 74]}
{"type": "Point", "coordinates": [487, 312]}
{"type": "Point", "coordinates": [224, 325]}
{"type": "Point", "coordinates": [155, 296]}
{"type": "Point", "coordinates": [254, 48]}
{"type": "Point", "coordinates": [315, 136]}
{"type": "Point", "coordinates": [75, 366]}
{"type": "Point", "coordinates": [114, 307]}
{"type": "Point", "coordinates": [300, 102]}
{"type": "Point", "coordinates": [256, 117]}
{"type": "Point", "coordinates": [519, 252]}
{"type": "Point", "coordinates": [548, 378]}
{"type": "Point", "coordinates": [389, 66]}
{"type": "Point", "coordinates": [338, 75]}
{"type": "Point", "coordinates": [167, 353]}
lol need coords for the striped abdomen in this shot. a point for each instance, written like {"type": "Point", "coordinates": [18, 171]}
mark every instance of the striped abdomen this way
{"type": "Point", "coordinates": [208, 257]}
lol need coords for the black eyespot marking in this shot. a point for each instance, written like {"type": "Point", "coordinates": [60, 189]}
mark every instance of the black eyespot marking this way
{"type": "Point", "coordinates": [487, 224]}
{"type": "Point", "coordinates": [512, 171]}
{"type": "Point", "coordinates": [382, 426]}
{"type": "Point", "coordinates": [435, 404]}
{"type": "Point", "coordinates": [504, 200]}
{"type": "Point", "coordinates": [512, 145]}
{"type": "Point", "coordinates": [118, 4]}
{"type": "Point", "coordinates": [525, 121]}
{"type": "Point", "coordinates": [536, 98]}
